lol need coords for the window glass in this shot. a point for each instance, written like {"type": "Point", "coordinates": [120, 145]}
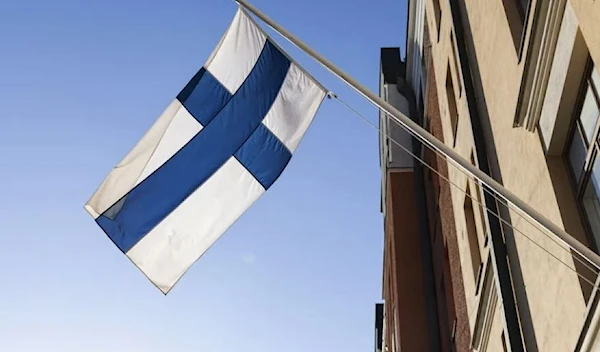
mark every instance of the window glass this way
{"type": "Point", "coordinates": [577, 154]}
{"type": "Point", "coordinates": [591, 203]}
{"type": "Point", "coordinates": [589, 114]}
{"type": "Point", "coordinates": [596, 78]}
{"type": "Point", "coordinates": [581, 147]}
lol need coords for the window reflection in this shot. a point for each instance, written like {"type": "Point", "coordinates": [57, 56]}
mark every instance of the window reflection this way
{"type": "Point", "coordinates": [577, 153]}
{"type": "Point", "coordinates": [589, 114]}
{"type": "Point", "coordinates": [596, 77]}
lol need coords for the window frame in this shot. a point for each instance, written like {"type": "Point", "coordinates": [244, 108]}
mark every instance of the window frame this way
{"type": "Point", "coordinates": [437, 17]}
{"type": "Point", "coordinates": [580, 182]}
{"type": "Point", "coordinates": [521, 10]}
{"type": "Point", "coordinates": [452, 102]}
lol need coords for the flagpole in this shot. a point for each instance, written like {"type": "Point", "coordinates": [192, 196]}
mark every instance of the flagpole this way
{"type": "Point", "coordinates": [430, 139]}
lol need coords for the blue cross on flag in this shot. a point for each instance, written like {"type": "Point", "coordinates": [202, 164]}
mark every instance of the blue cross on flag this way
{"type": "Point", "coordinates": [217, 147]}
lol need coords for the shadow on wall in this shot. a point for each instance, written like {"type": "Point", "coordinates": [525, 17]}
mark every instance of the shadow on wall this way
{"type": "Point", "coordinates": [571, 219]}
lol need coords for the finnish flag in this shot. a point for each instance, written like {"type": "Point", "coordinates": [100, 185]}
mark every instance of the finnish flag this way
{"type": "Point", "coordinates": [217, 147]}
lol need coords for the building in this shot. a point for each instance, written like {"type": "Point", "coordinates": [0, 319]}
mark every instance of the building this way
{"type": "Point", "coordinates": [422, 284]}
{"type": "Point", "coordinates": [512, 86]}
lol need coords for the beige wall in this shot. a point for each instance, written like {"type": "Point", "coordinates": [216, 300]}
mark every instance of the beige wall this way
{"type": "Point", "coordinates": [563, 84]}
{"type": "Point", "coordinates": [588, 15]}
{"type": "Point", "coordinates": [554, 292]}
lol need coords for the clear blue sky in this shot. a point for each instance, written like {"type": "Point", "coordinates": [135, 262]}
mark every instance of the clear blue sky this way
{"type": "Point", "coordinates": [80, 82]}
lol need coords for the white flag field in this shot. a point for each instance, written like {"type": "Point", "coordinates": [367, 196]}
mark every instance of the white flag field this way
{"type": "Point", "coordinates": [218, 146]}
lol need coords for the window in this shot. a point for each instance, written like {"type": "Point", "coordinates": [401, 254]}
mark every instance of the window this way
{"type": "Point", "coordinates": [397, 344]}
{"type": "Point", "coordinates": [582, 153]}
{"type": "Point", "coordinates": [452, 109]}
{"type": "Point", "coordinates": [437, 13]}
{"type": "Point", "coordinates": [455, 58]}
{"type": "Point", "coordinates": [516, 12]}
{"type": "Point", "coordinates": [426, 54]}
{"type": "Point", "coordinates": [478, 196]}
{"type": "Point", "coordinates": [472, 234]}
{"type": "Point", "coordinates": [449, 286]}
{"type": "Point", "coordinates": [432, 196]}
{"type": "Point", "coordinates": [453, 332]}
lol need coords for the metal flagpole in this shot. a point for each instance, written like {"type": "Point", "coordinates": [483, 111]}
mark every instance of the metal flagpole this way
{"type": "Point", "coordinates": [430, 139]}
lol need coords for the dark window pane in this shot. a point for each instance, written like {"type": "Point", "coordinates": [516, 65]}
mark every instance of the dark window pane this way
{"type": "Point", "coordinates": [591, 202]}
{"type": "Point", "coordinates": [515, 14]}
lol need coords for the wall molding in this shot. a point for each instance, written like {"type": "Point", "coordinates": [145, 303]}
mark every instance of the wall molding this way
{"type": "Point", "coordinates": [485, 312]}
{"type": "Point", "coordinates": [538, 63]}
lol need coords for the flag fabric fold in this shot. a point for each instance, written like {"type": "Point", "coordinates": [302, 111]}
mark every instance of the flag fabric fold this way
{"type": "Point", "coordinates": [219, 145]}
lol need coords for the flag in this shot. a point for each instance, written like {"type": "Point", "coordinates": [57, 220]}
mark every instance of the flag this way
{"type": "Point", "coordinates": [218, 146]}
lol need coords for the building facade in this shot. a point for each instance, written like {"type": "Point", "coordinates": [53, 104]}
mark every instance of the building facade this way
{"type": "Point", "coordinates": [513, 87]}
